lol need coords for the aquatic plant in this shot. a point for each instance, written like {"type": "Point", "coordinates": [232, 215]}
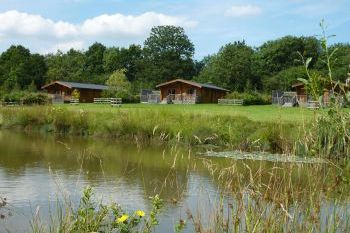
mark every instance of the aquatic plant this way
{"type": "Point", "coordinates": [91, 216]}
{"type": "Point", "coordinates": [329, 134]}
{"type": "Point", "coordinates": [144, 126]}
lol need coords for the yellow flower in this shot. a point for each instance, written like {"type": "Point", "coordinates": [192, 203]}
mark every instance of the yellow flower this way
{"type": "Point", "coordinates": [140, 213]}
{"type": "Point", "coordinates": [123, 218]}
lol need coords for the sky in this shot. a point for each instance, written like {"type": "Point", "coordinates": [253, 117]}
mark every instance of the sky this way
{"type": "Point", "coordinates": [44, 26]}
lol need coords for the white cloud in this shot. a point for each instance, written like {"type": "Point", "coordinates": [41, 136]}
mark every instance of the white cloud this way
{"type": "Point", "coordinates": [243, 10]}
{"type": "Point", "coordinates": [65, 46]}
{"type": "Point", "coordinates": [18, 26]}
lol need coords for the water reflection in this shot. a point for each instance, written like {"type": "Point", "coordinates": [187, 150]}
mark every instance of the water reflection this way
{"type": "Point", "coordinates": [35, 170]}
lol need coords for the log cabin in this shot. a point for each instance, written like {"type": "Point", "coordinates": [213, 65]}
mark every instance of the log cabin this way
{"type": "Point", "coordinates": [61, 91]}
{"type": "Point", "coordinates": [179, 91]}
{"type": "Point", "coordinates": [303, 97]}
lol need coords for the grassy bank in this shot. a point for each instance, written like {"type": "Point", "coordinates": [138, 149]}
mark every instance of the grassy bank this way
{"type": "Point", "coordinates": [263, 113]}
{"type": "Point", "coordinates": [265, 128]}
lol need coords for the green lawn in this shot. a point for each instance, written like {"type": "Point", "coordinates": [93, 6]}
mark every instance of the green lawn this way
{"type": "Point", "coordinates": [265, 113]}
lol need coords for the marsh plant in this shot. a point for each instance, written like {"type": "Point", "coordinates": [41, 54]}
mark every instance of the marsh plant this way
{"type": "Point", "coordinates": [91, 216]}
{"type": "Point", "coordinates": [329, 134]}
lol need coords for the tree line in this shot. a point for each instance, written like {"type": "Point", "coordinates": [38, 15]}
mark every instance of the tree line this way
{"type": "Point", "coordinates": [169, 53]}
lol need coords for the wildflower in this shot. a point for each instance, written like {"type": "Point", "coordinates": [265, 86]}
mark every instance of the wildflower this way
{"type": "Point", "coordinates": [140, 213]}
{"type": "Point", "coordinates": [123, 218]}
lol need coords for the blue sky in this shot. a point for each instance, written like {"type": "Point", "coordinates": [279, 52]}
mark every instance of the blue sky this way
{"type": "Point", "coordinates": [45, 26]}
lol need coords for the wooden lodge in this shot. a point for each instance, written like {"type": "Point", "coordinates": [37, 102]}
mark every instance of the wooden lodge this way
{"type": "Point", "coordinates": [302, 97]}
{"type": "Point", "coordinates": [61, 91]}
{"type": "Point", "coordinates": [180, 91]}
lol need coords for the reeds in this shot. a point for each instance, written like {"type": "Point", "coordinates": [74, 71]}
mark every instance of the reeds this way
{"type": "Point", "coordinates": [145, 126]}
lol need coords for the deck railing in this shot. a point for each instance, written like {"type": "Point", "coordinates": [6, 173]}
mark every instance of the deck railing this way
{"type": "Point", "coordinates": [230, 101]}
{"type": "Point", "coordinates": [182, 98]}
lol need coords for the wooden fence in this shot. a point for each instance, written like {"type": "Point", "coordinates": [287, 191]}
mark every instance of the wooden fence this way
{"type": "Point", "coordinates": [230, 101]}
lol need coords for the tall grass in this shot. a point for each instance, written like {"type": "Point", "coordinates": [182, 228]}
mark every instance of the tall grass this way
{"type": "Point", "coordinates": [252, 199]}
{"type": "Point", "coordinates": [329, 135]}
{"type": "Point", "coordinates": [146, 126]}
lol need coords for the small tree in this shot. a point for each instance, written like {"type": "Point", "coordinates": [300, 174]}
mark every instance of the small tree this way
{"type": "Point", "coordinates": [32, 87]}
{"type": "Point", "coordinates": [76, 94]}
{"type": "Point", "coordinates": [118, 84]}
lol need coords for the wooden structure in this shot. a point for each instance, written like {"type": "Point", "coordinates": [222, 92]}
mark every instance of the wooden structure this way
{"type": "Point", "coordinates": [74, 101]}
{"type": "Point", "coordinates": [230, 101]}
{"type": "Point", "coordinates": [300, 97]}
{"type": "Point", "coordinates": [304, 99]}
{"type": "Point", "coordinates": [149, 96]}
{"type": "Point", "coordinates": [180, 91]}
{"type": "Point", "coordinates": [116, 102]}
{"type": "Point", "coordinates": [102, 100]}
{"type": "Point", "coordinates": [61, 91]}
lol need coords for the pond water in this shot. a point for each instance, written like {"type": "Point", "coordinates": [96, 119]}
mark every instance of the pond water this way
{"type": "Point", "coordinates": [36, 170]}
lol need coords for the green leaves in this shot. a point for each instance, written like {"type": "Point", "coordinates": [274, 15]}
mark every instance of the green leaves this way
{"type": "Point", "coordinates": [118, 85]}
{"type": "Point", "coordinates": [168, 54]}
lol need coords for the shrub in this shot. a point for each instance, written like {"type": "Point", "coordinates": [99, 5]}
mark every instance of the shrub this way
{"type": "Point", "coordinates": [35, 98]}
{"type": "Point", "coordinates": [251, 98]}
{"type": "Point", "coordinates": [26, 98]}
{"type": "Point", "coordinates": [14, 96]}
{"type": "Point", "coordinates": [76, 94]}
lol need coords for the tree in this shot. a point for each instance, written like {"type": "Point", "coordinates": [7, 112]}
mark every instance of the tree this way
{"type": "Point", "coordinates": [19, 68]}
{"type": "Point", "coordinates": [118, 85]}
{"type": "Point", "coordinates": [66, 66]}
{"type": "Point", "coordinates": [284, 79]}
{"type": "Point", "coordinates": [277, 55]}
{"type": "Point", "coordinates": [37, 70]}
{"type": "Point", "coordinates": [94, 59]}
{"type": "Point", "coordinates": [119, 58]}
{"type": "Point", "coordinates": [230, 68]}
{"type": "Point", "coordinates": [340, 62]}
{"type": "Point", "coordinates": [168, 53]}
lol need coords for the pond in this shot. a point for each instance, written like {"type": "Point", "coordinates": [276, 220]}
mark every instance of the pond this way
{"type": "Point", "coordinates": [37, 170]}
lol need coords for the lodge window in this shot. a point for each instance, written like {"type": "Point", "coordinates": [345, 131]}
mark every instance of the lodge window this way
{"type": "Point", "coordinates": [171, 91]}
{"type": "Point", "coordinates": [190, 91]}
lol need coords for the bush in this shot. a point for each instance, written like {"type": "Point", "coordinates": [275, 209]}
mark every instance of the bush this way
{"type": "Point", "coordinates": [26, 98]}
{"type": "Point", "coordinates": [252, 98]}
{"type": "Point", "coordinates": [35, 98]}
{"type": "Point", "coordinates": [132, 99]}
{"type": "Point", "coordinates": [14, 96]}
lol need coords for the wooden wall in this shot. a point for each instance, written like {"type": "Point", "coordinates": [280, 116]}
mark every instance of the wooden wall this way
{"type": "Point", "coordinates": [205, 95]}
{"type": "Point", "coordinates": [86, 95]}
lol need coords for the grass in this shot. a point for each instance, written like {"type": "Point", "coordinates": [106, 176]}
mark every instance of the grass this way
{"type": "Point", "coordinates": [262, 113]}
{"type": "Point", "coordinates": [241, 128]}
{"type": "Point", "coordinates": [245, 128]}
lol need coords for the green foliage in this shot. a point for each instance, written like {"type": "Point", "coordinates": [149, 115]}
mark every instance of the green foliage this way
{"type": "Point", "coordinates": [164, 125]}
{"type": "Point", "coordinates": [123, 58]}
{"type": "Point", "coordinates": [26, 98]}
{"type": "Point", "coordinates": [118, 85]}
{"type": "Point", "coordinates": [97, 217]}
{"type": "Point", "coordinates": [19, 68]}
{"type": "Point", "coordinates": [329, 135]}
{"type": "Point", "coordinates": [314, 85]}
{"type": "Point", "coordinates": [284, 79]}
{"type": "Point", "coordinates": [35, 99]}
{"type": "Point", "coordinates": [168, 53]}
{"type": "Point", "coordinates": [250, 98]}
{"type": "Point", "coordinates": [275, 56]}
{"type": "Point", "coordinates": [94, 59]}
{"type": "Point", "coordinates": [66, 66]}
{"type": "Point", "coordinates": [76, 94]}
{"type": "Point", "coordinates": [230, 68]}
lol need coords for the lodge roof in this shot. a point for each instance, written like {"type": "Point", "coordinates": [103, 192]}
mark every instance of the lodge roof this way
{"type": "Point", "coordinates": [200, 85]}
{"type": "Point", "coordinates": [77, 85]}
